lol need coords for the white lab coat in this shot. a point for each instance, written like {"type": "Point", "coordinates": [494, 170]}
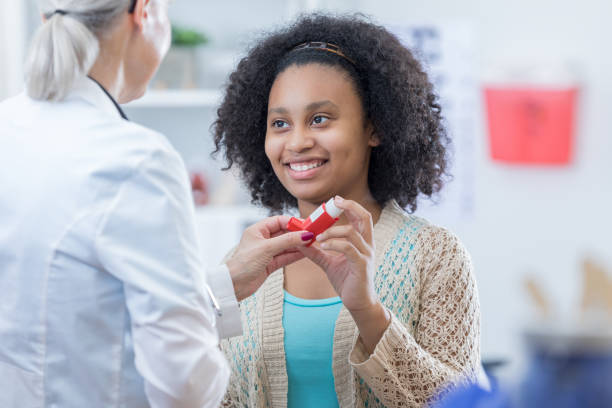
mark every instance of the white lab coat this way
{"type": "Point", "coordinates": [102, 300]}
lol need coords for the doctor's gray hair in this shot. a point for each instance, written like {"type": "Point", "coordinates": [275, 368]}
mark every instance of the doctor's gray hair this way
{"type": "Point", "coordinates": [66, 46]}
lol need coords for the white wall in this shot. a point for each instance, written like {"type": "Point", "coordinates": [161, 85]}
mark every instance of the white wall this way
{"type": "Point", "coordinates": [12, 47]}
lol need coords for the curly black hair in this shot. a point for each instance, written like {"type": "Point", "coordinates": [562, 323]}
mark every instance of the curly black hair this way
{"type": "Point", "coordinates": [397, 96]}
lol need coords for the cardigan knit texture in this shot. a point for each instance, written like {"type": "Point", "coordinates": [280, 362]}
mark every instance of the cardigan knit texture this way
{"type": "Point", "coordinates": [424, 277]}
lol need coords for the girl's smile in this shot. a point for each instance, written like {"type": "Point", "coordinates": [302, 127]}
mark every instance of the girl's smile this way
{"type": "Point", "coordinates": [304, 169]}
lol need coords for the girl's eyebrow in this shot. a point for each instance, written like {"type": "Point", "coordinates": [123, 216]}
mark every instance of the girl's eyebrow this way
{"type": "Point", "coordinates": [310, 107]}
{"type": "Point", "coordinates": [321, 104]}
{"type": "Point", "coordinates": [281, 111]}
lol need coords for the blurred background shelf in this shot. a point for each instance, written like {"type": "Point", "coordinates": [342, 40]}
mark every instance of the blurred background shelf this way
{"type": "Point", "coordinates": [178, 98]}
{"type": "Point", "coordinates": [220, 228]}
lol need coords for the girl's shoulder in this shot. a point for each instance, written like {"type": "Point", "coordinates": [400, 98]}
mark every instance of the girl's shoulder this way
{"type": "Point", "coordinates": [397, 228]}
{"type": "Point", "coordinates": [396, 224]}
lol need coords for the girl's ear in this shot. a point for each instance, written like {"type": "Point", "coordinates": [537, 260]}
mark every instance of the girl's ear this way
{"type": "Point", "coordinates": [373, 139]}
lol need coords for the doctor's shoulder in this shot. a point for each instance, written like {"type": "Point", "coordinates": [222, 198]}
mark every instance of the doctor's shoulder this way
{"type": "Point", "coordinates": [129, 144]}
{"type": "Point", "coordinates": [10, 107]}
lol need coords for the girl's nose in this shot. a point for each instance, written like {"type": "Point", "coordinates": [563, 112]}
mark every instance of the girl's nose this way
{"type": "Point", "coordinates": [299, 140]}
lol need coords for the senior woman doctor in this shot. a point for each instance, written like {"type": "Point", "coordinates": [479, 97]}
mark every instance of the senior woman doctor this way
{"type": "Point", "coordinates": [102, 299]}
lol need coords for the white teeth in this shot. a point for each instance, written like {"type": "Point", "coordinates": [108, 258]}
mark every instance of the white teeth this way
{"type": "Point", "coordinates": [304, 167]}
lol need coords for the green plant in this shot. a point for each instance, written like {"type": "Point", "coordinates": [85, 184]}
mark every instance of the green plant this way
{"type": "Point", "coordinates": [185, 37]}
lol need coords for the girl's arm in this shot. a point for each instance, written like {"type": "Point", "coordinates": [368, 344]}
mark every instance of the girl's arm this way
{"type": "Point", "coordinates": [406, 370]}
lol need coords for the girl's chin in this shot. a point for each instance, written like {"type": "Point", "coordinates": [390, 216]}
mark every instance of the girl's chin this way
{"type": "Point", "coordinates": [311, 193]}
{"type": "Point", "coordinates": [313, 199]}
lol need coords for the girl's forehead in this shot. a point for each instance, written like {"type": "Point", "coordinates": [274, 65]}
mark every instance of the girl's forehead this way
{"type": "Point", "coordinates": [315, 80]}
{"type": "Point", "coordinates": [312, 71]}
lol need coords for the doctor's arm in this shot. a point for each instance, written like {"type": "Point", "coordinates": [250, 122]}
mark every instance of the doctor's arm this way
{"type": "Point", "coordinates": [265, 247]}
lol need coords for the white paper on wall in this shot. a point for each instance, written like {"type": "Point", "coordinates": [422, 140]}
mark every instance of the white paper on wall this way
{"type": "Point", "coordinates": [448, 53]}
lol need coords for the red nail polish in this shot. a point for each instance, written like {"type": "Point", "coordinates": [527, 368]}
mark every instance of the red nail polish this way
{"type": "Point", "coordinates": [307, 236]}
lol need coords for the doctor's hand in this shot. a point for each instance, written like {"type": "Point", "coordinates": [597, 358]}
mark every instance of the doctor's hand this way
{"type": "Point", "coordinates": [346, 254]}
{"type": "Point", "coordinates": [265, 247]}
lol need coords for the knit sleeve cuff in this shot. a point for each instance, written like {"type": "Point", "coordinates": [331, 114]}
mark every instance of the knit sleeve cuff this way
{"type": "Point", "coordinates": [374, 365]}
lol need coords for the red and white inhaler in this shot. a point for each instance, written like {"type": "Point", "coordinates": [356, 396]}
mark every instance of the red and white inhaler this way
{"type": "Point", "coordinates": [321, 219]}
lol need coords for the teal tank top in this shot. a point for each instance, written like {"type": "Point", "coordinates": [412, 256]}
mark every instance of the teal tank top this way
{"type": "Point", "coordinates": [309, 336]}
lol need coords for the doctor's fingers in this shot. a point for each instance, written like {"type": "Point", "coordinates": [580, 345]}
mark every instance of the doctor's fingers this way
{"type": "Point", "coordinates": [285, 242]}
{"type": "Point", "coordinates": [271, 226]}
{"type": "Point", "coordinates": [284, 259]}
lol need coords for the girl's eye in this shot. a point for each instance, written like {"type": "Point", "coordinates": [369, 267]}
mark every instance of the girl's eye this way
{"type": "Point", "coordinates": [319, 120]}
{"type": "Point", "coordinates": [279, 124]}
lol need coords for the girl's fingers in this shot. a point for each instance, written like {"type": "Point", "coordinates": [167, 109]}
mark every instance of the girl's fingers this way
{"type": "Point", "coordinates": [358, 216]}
{"type": "Point", "coordinates": [344, 247]}
{"type": "Point", "coordinates": [317, 256]}
{"type": "Point", "coordinates": [349, 233]}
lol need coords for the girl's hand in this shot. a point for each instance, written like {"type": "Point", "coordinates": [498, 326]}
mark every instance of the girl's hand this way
{"type": "Point", "coordinates": [346, 254]}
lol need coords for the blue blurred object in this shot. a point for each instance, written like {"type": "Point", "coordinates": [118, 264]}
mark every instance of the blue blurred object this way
{"type": "Point", "coordinates": [569, 367]}
{"type": "Point", "coordinates": [568, 371]}
{"type": "Point", "coordinates": [473, 396]}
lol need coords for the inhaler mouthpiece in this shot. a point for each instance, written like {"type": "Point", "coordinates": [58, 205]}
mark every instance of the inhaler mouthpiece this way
{"type": "Point", "coordinates": [331, 209]}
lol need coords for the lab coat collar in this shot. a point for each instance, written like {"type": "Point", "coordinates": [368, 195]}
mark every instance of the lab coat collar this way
{"type": "Point", "coordinates": [93, 93]}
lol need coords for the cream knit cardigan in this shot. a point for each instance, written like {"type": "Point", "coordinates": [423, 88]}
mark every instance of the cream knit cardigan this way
{"type": "Point", "coordinates": [424, 278]}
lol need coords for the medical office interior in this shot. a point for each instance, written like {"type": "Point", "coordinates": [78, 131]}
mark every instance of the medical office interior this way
{"type": "Point", "coordinates": [525, 88]}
